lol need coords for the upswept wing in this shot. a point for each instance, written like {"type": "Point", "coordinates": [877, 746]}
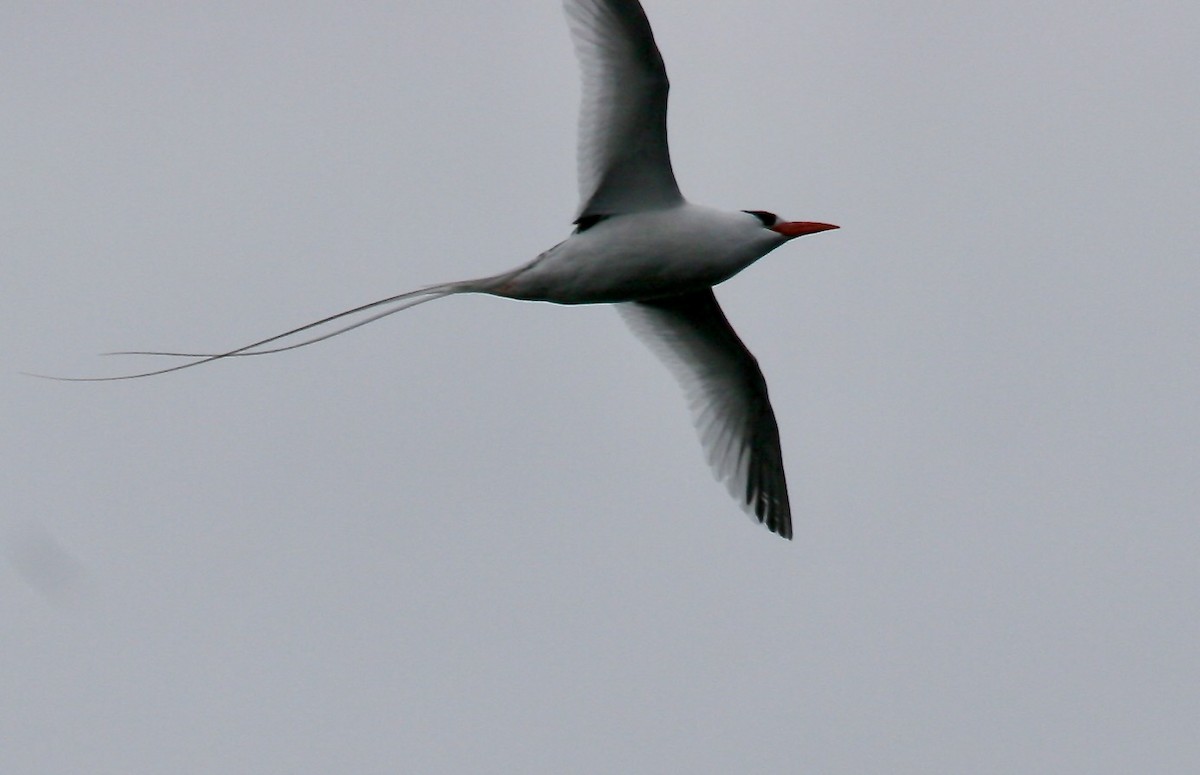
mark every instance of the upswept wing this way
{"type": "Point", "coordinates": [624, 163]}
{"type": "Point", "coordinates": [728, 396]}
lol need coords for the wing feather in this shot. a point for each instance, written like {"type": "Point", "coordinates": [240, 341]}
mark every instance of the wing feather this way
{"type": "Point", "coordinates": [728, 395]}
{"type": "Point", "coordinates": [624, 162]}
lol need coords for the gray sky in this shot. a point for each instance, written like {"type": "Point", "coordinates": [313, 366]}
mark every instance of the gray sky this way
{"type": "Point", "coordinates": [481, 536]}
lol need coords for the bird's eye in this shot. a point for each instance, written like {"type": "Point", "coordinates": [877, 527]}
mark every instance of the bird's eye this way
{"type": "Point", "coordinates": [768, 219]}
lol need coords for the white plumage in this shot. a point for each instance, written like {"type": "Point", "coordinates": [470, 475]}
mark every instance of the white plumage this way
{"type": "Point", "coordinates": [638, 244]}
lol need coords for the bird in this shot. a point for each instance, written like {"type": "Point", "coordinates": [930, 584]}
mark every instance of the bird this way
{"type": "Point", "coordinates": [639, 245]}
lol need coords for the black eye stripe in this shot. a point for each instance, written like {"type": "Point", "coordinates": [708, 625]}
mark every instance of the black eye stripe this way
{"type": "Point", "coordinates": [768, 219]}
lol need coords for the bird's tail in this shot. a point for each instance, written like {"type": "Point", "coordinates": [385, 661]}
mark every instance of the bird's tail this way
{"type": "Point", "coordinates": [384, 307]}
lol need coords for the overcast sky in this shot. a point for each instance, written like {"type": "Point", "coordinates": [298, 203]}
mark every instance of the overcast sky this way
{"type": "Point", "coordinates": [480, 536]}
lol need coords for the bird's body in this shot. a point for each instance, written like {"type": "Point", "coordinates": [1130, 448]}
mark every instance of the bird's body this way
{"type": "Point", "coordinates": [641, 245]}
{"type": "Point", "coordinates": [643, 255]}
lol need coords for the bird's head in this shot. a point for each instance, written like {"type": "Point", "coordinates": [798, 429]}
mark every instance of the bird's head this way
{"type": "Point", "coordinates": [788, 229]}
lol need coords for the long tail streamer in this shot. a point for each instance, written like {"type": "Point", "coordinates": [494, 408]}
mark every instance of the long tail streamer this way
{"type": "Point", "coordinates": [402, 301]}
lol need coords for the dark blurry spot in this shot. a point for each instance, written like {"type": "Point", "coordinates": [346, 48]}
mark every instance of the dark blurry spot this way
{"type": "Point", "coordinates": [43, 562]}
{"type": "Point", "coordinates": [585, 222]}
